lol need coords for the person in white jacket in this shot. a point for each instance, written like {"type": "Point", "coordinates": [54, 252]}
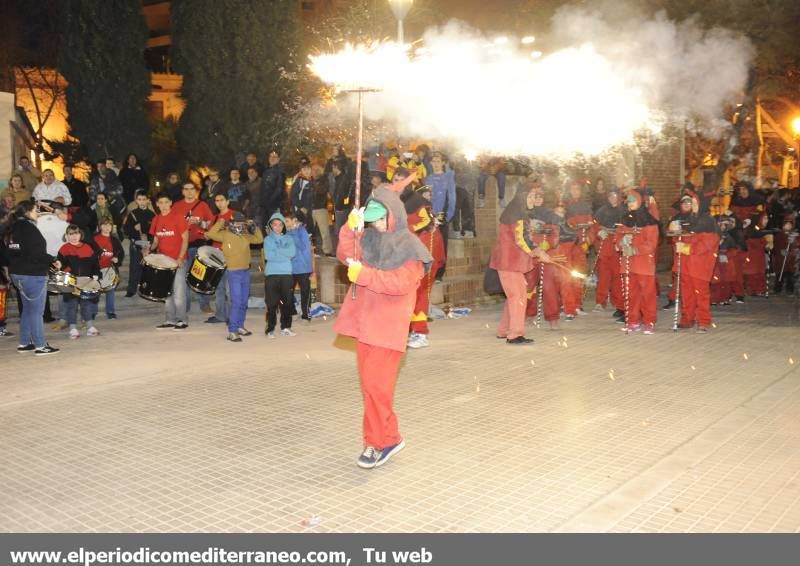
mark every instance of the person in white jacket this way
{"type": "Point", "coordinates": [52, 190]}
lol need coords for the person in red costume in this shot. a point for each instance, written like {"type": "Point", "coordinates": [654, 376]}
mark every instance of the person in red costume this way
{"type": "Point", "coordinates": [607, 264]}
{"type": "Point", "coordinates": [578, 215]}
{"type": "Point", "coordinates": [696, 239]}
{"type": "Point", "coordinates": [385, 273]}
{"type": "Point", "coordinates": [514, 254]}
{"type": "Point", "coordinates": [726, 280]}
{"type": "Point", "coordinates": [753, 261]}
{"type": "Point", "coordinates": [637, 241]}
{"type": "Point", "coordinates": [425, 225]}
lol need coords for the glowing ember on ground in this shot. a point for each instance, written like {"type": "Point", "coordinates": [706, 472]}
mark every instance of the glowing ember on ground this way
{"type": "Point", "coordinates": [693, 368]}
{"type": "Point", "coordinates": [791, 361]}
{"type": "Point", "coordinates": [745, 356]}
{"type": "Point", "coordinates": [611, 375]}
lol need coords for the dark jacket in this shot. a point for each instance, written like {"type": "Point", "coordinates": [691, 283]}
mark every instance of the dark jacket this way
{"type": "Point", "coordinates": [78, 191]}
{"type": "Point", "coordinates": [320, 190]}
{"type": "Point", "coordinates": [27, 250]}
{"type": "Point", "coordinates": [132, 179]}
{"type": "Point", "coordinates": [245, 166]}
{"type": "Point", "coordinates": [143, 217]}
{"type": "Point", "coordinates": [302, 194]}
{"type": "Point", "coordinates": [343, 190]}
{"type": "Point", "coordinates": [273, 192]}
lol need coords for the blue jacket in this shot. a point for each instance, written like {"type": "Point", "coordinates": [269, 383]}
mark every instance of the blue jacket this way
{"type": "Point", "coordinates": [443, 192]}
{"type": "Point", "coordinates": [301, 262]}
{"type": "Point", "coordinates": [278, 250]}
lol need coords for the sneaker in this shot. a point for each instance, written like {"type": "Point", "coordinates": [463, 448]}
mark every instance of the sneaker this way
{"type": "Point", "coordinates": [481, 202]}
{"type": "Point", "coordinates": [22, 349]}
{"type": "Point", "coordinates": [419, 341]}
{"type": "Point", "coordinates": [629, 328]}
{"type": "Point", "coordinates": [165, 326]}
{"type": "Point", "coordinates": [206, 309]}
{"type": "Point", "coordinates": [388, 452]}
{"type": "Point", "coordinates": [519, 340]}
{"type": "Point", "coordinates": [233, 337]}
{"type": "Point", "coordinates": [92, 331]}
{"type": "Point", "coordinates": [46, 351]}
{"type": "Point", "coordinates": [48, 319]}
{"type": "Point", "coordinates": [369, 458]}
{"type": "Point", "coordinates": [244, 332]}
{"type": "Point", "coordinates": [270, 334]}
{"type": "Point", "coordinates": [619, 314]}
{"type": "Point", "coordinates": [213, 320]}
{"type": "Point", "coordinates": [469, 235]}
{"type": "Point", "coordinates": [111, 316]}
{"type": "Point", "coordinates": [701, 330]}
{"type": "Point", "coordinates": [60, 325]}
{"type": "Point", "coordinates": [180, 325]}
{"type": "Point", "coordinates": [669, 305]}
{"type": "Point", "coordinates": [306, 317]}
{"type": "Point", "coordinates": [739, 300]}
{"type": "Point", "coordinates": [287, 332]}
{"type": "Point", "coordinates": [581, 312]}
{"type": "Point", "coordinates": [599, 307]}
{"type": "Point", "coordinates": [554, 325]}
{"type": "Point", "coordinates": [6, 332]}
{"type": "Point", "coordinates": [74, 333]}
{"type": "Point", "coordinates": [569, 317]}
{"type": "Point", "coordinates": [649, 328]}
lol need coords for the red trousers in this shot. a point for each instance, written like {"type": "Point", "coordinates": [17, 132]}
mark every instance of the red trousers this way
{"type": "Point", "coordinates": [570, 292]}
{"type": "Point", "coordinates": [532, 281]}
{"type": "Point", "coordinates": [515, 287]}
{"type": "Point", "coordinates": [579, 262]}
{"type": "Point", "coordinates": [378, 368]}
{"type": "Point", "coordinates": [755, 283]}
{"type": "Point", "coordinates": [557, 291]}
{"type": "Point", "coordinates": [695, 301]}
{"type": "Point", "coordinates": [419, 320]}
{"type": "Point", "coordinates": [738, 257]}
{"type": "Point", "coordinates": [608, 281]}
{"type": "Point", "coordinates": [642, 295]}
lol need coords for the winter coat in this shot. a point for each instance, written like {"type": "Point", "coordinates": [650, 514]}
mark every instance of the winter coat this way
{"type": "Point", "coordinates": [133, 179]}
{"type": "Point", "coordinates": [443, 192]}
{"type": "Point", "coordinates": [27, 250]}
{"type": "Point", "coordinates": [645, 241]}
{"type": "Point", "coordinates": [302, 261]}
{"type": "Point", "coordinates": [279, 249]}
{"type": "Point", "coordinates": [273, 190]}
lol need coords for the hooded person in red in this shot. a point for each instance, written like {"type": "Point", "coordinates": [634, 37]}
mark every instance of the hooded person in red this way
{"type": "Point", "coordinates": [422, 222]}
{"type": "Point", "coordinates": [637, 241]}
{"type": "Point", "coordinates": [385, 280]}
{"type": "Point", "coordinates": [578, 214]}
{"type": "Point", "coordinates": [727, 280]}
{"type": "Point", "coordinates": [696, 239]}
{"type": "Point", "coordinates": [753, 261]}
{"type": "Point", "coordinates": [607, 264]}
{"type": "Point", "coordinates": [513, 256]}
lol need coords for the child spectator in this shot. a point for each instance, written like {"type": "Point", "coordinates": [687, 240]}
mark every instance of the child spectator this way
{"type": "Point", "coordinates": [137, 229]}
{"type": "Point", "coordinates": [111, 256]}
{"type": "Point", "coordinates": [79, 259]}
{"type": "Point", "coordinates": [278, 252]}
{"type": "Point", "coordinates": [235, 236]}
{"type": "Point", "coordinates": [302, 262]}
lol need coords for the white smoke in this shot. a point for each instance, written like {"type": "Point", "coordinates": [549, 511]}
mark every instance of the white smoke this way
{"type": "Point", "coordinates": [607, 82]}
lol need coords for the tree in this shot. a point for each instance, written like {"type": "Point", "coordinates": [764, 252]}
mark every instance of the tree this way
{"type": "Point", "coordinates": [239, 65]}
{"type": "Point", "coordinates": [102, 59]}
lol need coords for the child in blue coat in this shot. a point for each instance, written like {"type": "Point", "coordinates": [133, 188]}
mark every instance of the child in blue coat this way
{"type": "Point", "coordinates": [303, 261]}
{"type": "Point", "coordinates": [279, 250]}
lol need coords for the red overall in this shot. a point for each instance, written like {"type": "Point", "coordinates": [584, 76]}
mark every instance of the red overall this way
{"type": "Point", "coordinates": [421, 223]}
{"type": "Point", "coordinates": [696, 272]}
{"type": "Point", "coordinates": [512, 258]}
{"type": "Point", "coordinates": [754, 266]}
{"type": "Point", "coordinates": [607, 272]}
{"type": "Point", "coordinates": [378, 319]}
{"type": "Point", "coordinates": [642, 291]}
{"type": "Point", "coordinates": [577, 258]}
{"type": "Point", "coordinates": [556, 288]}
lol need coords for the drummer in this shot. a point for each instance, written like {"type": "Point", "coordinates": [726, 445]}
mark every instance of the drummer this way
{"type": "Point", "coordinates": [111, 256]}
{"type": "Point", "coordinates": [222, 296]}
{"type": "Point", "coordinates": [81, 260]}
{"type": "Point", "coordinates": [170, 233]}
{"type": "Point", "coordinates": [199, 216]}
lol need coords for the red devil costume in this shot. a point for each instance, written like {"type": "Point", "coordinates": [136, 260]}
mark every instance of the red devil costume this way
{"type": "Point", "coordinates": [386, 278]}
{"type": "Point", "coordinates": [607, 264]}
{"type": "Point", "coordinates": [727, 280]}
{"type": "Point", "coordinates": [753, 262]}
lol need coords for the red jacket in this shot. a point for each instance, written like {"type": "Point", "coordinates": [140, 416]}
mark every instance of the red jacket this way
{"type": "Point", "coordinates": [646, 243]}
{"type": "Point", "coordinates": [384, 303]}
{"type": "Point", "coordinates": [754, 261]}
{"type": "Point", "coordinates": [511, 252]}
{"type": "Point", "coordinates": [699, 264]}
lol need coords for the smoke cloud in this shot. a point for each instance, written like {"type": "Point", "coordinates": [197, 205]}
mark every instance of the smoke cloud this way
{"type": "Point", "coordinates": [605, 82]}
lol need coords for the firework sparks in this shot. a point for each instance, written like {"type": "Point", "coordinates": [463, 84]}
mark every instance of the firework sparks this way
{"type": "Point", "coordinates": [745, 356]}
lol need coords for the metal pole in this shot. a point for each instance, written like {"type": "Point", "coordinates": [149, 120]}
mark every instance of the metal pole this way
{"type": "Point", "coordinates": [676, 314]}
{"type": "Point", "coordinates": [540, 297]}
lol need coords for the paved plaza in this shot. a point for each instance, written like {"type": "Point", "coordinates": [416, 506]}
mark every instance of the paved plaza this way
{"type": "Point", "coordinates": [586, 430]}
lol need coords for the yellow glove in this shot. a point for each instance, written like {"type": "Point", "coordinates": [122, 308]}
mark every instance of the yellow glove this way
{"type": "Point", "coordinates": [684, 249]}
{"type": "Point", "coordinates": [585, 247]}
{"type": "Point", "coordinates": [353, 271]}
{"type": "Point", "coordinates": [544, 246]}
{"type": "Point", "coordinates": [355, 220]}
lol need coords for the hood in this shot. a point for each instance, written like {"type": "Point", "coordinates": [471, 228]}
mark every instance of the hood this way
{"type": "Point", "coordinates": [391, 249]}
{"type": "Point", "coordinates": [276, 216]}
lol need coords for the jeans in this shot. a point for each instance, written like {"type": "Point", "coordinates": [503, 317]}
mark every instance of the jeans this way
{"type": "Point", "coordinates": [223, 298]}
{"type": "Point", "coordinates": [110, 305]}
{"type": "Point", "coordinates": [33, 292]}
{"type": "Point", "coordinates": [191, 253]}
{"type": "Point", "coordinates": [135, 268]}
{"type": "Point", "coordinates": [175, 308]}
{"type": "Point", "coordinates": [501, 184]}
{"type": "Point", "coordinates": [304, 279]}
{"type": "Point", "coordinates": [239, 282]}
{"type": "Point", "coordinates": [88, 309]}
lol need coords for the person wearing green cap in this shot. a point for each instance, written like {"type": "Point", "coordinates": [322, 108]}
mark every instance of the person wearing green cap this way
{"type": "Point", "coordinates": [385, 265]}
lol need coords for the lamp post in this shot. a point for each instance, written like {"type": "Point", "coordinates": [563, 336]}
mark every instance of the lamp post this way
{"type": "Point", "coordinates": [400, 9]}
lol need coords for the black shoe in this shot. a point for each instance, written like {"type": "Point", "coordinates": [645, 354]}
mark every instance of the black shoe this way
{"type": "Point", "coordinates": [233, 337]}
{"type": "Point", "coordinates": [129, 294]}
{"type": "Point", "coordinates": [180, 325]}
{"type": "Point", "coordinates": [618, 314]}
{"type": "Point", "coordinates": [306, 317]}
{"type": "Point", "coordinates": [519, 340]}
{"type": "Point", "coordinates": [111, 316]}
{"type": "Point", "coordinates": [669, 305]}
{"type": "Point", "coordinates": [165, 326]}
{"type": "Point", "coordinates": [244, 332]}
{"type": "Point", "coordinates": [46, 351]}
{"type": "Point", "coordinates": [48, 319]}
{"type": "Point", "coordinates": [739, 300]}
{"type": "Point", "coordinates": [5, 332]}
{"type": "Point", "coordinates": [28, 348]}
{"type": "Point", "coordinates": [213, 320]}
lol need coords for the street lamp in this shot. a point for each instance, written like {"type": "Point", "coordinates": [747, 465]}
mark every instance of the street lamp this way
{"type": "Point", "coordinates": [796, 126]}
{"type": "Point", "coordinates": [400, 9]}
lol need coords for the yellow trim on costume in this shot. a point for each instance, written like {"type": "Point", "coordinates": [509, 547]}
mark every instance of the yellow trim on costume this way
{"type": "Point", "coordinates": [519, 236]}
{"type": "Point", "coordinates": [425, 219]}
{"type": "Point", "coordinates": [419, 317]}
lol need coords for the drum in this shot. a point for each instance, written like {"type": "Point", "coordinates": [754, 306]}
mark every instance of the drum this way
{"type": "Point", "coordinates": [108, 279]}
{"type": "Point", "coordinates": [158, 275]}
{"type": "Point", "coordinates": [87, 288]}
{"type": "Point", "coordinates": [61, 282]}
{"type": "Point", "coordinates": [206, 271]}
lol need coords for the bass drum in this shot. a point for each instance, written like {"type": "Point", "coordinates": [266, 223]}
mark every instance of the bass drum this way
{"type": "Point", "coordinates": [109, 279]}
{"type": "Point", "coordinates": [158, 275]}
{"type": "Point", "coordinates": [206, 271]}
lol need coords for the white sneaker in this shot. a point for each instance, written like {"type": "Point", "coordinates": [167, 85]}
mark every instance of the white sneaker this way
{"type": "Point", "coordinates": [418, 341]}
{"type": "Point", "coordinates": [92, 331]}
{"type": "Point", "coordinates": [581, 312]}
{"type": "Point", "coordinates": [288, 332]}
{"type": "Point", "coordinates": [74, 333]}
{"type": "Point", "coordinates": [271, 335]}
{"type": "Point", "coordinates": [599, 308]}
